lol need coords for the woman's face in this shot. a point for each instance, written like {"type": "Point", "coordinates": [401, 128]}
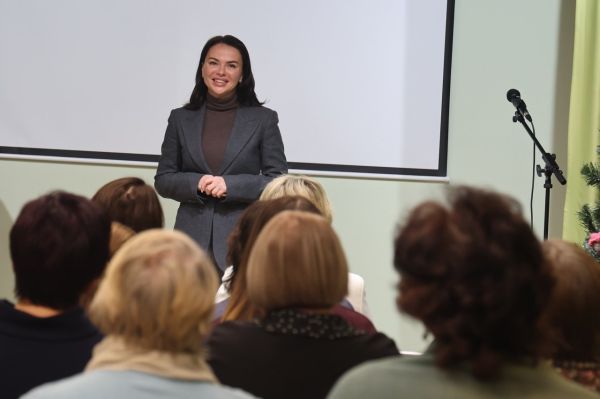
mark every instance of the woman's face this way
{"type": "Point", "coordinates": [222, 70]}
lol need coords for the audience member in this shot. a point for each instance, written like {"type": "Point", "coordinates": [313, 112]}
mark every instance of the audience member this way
{"type": "Point", "coordinates": [154, 305]}
{"type": "Point", "coordinates": [241, 240]}
{"type": "Point", "coordinates": [474, 274]}
{"type": "Point", "coordinates": [235, 305]}
{"type": "Point", "coordinates": [59, 247]}
{"type": "Point", "coordinates": [303, 186]}
{"type": "Point", "coordinates": [296, 273]}
{"type": "Point", "coordinates": [131, 202]}
{"type": "Point", "coordinates": [573, 312]}
{"type": "Point", "coordinates": [312, 190]}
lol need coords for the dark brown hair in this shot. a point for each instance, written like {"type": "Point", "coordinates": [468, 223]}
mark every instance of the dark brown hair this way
{"type": "Point", "coordinates": [58, 246]}
{"type": "Point", "coordinates": [245, 90]}
{"type": "Point", "coordinates": [574, 307]}
{"type": "Point", "coordinates": [241, 240]}
{"type": "Point", "coordinates": [474, 274]}
{"type": "Point", "coordinates": [131, 202]}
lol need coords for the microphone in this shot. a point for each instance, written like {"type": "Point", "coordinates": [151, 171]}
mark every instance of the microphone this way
{"type": "Point", "coordinates": [513, 96]}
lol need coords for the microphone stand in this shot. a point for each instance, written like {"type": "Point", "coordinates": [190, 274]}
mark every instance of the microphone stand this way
{"type": "Point", "coordinates": [550, 168]}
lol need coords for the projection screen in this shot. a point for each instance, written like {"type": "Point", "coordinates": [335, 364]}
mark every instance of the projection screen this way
{"type": "Point", "coordinates": [360, 87]}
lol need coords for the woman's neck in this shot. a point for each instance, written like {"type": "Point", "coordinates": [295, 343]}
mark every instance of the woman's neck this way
{"type": "Point", "coordinates": [221, 104]}
{"type": "Point", "coordinates": [36, 310]}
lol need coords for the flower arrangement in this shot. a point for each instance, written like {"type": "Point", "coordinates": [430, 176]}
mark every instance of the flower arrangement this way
{"type": "Point", "coordinates": [592, 245]}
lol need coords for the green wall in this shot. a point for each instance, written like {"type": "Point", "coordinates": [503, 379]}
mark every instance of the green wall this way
{"type": "Point", "coordinates": [497, 45]}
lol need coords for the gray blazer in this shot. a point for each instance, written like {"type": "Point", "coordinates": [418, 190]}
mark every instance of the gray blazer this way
{"type": "Point", "coordinates": [253, 157]}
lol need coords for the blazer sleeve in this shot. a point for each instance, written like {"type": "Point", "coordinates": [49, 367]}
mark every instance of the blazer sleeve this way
{"type": "Point", "coordinates": [171, 181]}
{"type": "Point", "coordinates": [248, 187]}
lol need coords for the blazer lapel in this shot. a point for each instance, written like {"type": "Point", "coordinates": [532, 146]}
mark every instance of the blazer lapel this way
{"type": "Point", "coordinates": [192, 132]}
{"type": "Point", "coordinates": [244, 127]}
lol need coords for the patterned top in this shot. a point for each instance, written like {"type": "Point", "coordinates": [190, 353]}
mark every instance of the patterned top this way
{"type": "Point", "coordinates": [584, 373]}
{"type": "Point", "coordinates": [305, 324]}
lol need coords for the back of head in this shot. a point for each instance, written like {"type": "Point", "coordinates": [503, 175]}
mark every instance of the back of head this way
{"type": "Point", "coordinates": [303, 186]}
{"type": "Point", "coordinates": [59, 245]}
{"type": "Point", "coordinates": [255, 217]}
{"type": "Point", "coordinates": [131, 202]}
{"type": "Point", "coordinates": [241, 240]}
{"type": "Point", "coordinates": [297, 261]}
{"type": "Point", "coordinates": [575, 302]}
{"type": "Point", "coordinates": [474, 274]}
{"type": "Point", "coordinates": [158, 293]}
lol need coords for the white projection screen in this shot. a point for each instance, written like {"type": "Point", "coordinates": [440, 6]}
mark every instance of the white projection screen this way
{"type": "Point", "coordinates": [361, 87]}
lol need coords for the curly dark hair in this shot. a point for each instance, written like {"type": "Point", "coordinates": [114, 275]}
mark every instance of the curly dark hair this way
{"type": "Point", "coordinates": [474, 274]}
{"type": "Point", "coordinates": [575, 302]}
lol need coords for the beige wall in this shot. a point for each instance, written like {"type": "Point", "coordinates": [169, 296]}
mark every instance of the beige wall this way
{"type": "Point", "coordinates": [497, 45]}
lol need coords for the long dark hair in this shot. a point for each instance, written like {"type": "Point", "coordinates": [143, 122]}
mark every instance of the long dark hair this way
{"type": "Point", "coordinates": [245, 90]}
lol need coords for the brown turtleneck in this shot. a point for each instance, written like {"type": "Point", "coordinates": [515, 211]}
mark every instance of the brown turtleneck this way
{"type": "Point", "coordinates": [218, 123]}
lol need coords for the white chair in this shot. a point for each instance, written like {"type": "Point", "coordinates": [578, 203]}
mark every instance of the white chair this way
{"type": "Point", "coordinates": [222, 293]}
{"type": "Point", "coordinates": [357, 295]}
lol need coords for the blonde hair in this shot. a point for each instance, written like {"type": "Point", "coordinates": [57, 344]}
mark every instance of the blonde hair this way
{"type": "Point", "coordinates": [158, 293]}
{"type": "Point", "coordinates": [297, 261]}
{"type": "Point", "coordinates": [303, 186]}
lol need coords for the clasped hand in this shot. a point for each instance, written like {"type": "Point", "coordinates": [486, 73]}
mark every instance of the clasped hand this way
{"type": "Point", "coordinates": [212, 185]}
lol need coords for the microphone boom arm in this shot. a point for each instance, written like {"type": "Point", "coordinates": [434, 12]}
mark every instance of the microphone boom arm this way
{"type": "Point", "coordinates": [551, 168]}
{"type": "Point", "coordinates": [549, 159]}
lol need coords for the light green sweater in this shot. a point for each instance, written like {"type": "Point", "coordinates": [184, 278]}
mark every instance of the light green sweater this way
{"type": "Point", "coordinates": [418, 377]}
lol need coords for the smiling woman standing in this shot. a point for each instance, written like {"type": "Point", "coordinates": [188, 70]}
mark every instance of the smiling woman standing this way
{"type": "Point", "coordinates": [220, 149]}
